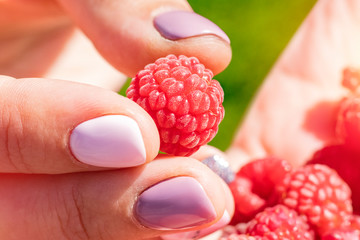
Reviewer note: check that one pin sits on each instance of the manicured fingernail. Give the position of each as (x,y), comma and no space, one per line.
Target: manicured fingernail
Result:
(175,25)
(221,167)
(224,220)
(176,203)
(108,141)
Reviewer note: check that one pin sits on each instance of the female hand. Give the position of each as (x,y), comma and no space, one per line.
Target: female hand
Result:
(76,161)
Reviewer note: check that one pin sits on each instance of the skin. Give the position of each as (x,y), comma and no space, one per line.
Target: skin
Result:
(74,201)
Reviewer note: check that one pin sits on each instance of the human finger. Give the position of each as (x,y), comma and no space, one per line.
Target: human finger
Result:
(214,159)
(52,126)
(131,34)
(167,195)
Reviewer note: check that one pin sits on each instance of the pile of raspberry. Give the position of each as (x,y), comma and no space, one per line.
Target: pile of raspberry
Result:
(317,201)
(182,99)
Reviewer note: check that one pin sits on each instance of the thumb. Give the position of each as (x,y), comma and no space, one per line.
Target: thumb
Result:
(131,34)
(169,195)
(53,126)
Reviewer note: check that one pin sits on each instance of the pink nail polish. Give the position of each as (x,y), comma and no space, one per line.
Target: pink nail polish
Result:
(176,203)
(109,141)
(175,25)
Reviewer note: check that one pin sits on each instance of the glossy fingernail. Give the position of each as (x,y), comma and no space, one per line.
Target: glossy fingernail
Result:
(224,220)
(176,203)
(108,141)
(221,167)
(175,25)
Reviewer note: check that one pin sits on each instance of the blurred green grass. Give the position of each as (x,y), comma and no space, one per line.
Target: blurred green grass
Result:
(259,30)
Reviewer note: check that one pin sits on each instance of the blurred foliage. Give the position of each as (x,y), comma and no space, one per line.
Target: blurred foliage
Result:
(259,30)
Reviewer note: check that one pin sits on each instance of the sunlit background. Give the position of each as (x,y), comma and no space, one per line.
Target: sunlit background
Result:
(259,30)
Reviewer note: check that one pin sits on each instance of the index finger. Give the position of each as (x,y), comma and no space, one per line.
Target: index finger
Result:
(52,126)
(131,34)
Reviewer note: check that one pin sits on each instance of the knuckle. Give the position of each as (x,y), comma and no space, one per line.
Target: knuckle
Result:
(72,217)
(18,130)
(13,147)
(13,134)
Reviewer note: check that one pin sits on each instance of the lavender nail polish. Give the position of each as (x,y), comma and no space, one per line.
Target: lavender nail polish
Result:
(175,25)
(109,141)
(176,203)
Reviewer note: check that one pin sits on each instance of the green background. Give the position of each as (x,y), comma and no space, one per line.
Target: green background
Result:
(259,30)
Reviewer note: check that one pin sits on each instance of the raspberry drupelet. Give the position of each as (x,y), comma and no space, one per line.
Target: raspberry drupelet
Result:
(183,100)
(319,193)
(280,222)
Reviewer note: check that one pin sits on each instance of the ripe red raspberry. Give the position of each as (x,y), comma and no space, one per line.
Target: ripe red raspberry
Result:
(280,222)
(351,79)
(348,122)
(247,203)
(344,161)
(350,230)
(342,235)
(183,99)
(317,192)
(355,221)
(254,186)
(265,174)
(237,229)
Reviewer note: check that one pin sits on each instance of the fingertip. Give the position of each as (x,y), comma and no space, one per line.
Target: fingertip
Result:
(5,78)
(217,161)
(176,178)
(188,33)
(132,34)
(127,137)
(207,151)
(184,32)
(223,217)
(74,132)
(149,130)
(214,53)
(114,141)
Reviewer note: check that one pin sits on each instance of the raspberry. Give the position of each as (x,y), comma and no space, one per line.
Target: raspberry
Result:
(343,160)
(237,229)
(265,174)
(247,204)
(348,122)
(183,100)
(355,222)
(280,222)
(342,235)
(350,230)
(254,186)
(317,192)
(351,79)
